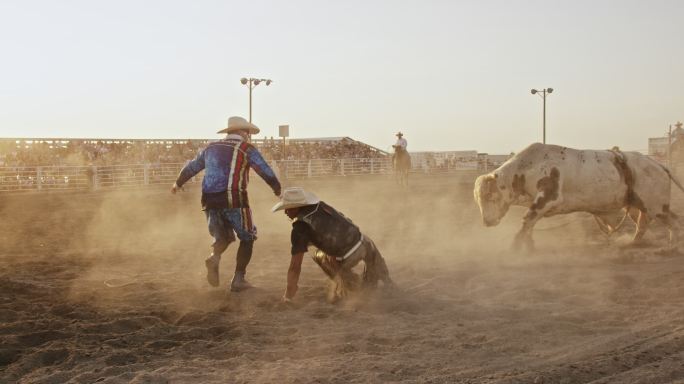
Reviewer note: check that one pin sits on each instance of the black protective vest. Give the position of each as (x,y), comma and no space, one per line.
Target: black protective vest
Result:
(333,232)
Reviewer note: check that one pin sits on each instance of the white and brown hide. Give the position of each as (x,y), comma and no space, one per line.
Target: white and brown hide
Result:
(552,180)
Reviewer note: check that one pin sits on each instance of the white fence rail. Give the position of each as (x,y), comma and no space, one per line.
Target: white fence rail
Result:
(47,178)
(50,178)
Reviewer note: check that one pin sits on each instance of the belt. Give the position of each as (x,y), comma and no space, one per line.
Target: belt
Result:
(352,250)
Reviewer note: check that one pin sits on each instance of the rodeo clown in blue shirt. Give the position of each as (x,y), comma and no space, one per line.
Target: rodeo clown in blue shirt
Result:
(226,165)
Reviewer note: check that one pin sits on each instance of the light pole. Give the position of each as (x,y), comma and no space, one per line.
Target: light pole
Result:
(251,83)
(542,94)
(670,134)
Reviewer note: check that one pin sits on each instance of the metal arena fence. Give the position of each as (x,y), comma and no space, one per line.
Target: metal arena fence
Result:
(52,178)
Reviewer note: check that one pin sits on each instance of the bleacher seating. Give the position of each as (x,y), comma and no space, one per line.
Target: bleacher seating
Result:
(101,152)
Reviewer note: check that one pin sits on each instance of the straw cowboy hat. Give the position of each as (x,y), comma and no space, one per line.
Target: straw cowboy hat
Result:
(295,197)
(399,134)
(237,123)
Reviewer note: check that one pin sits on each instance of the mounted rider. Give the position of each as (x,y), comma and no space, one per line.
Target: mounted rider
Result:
(401,143)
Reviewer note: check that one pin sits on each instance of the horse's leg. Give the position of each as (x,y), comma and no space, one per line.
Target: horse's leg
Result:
(395,170)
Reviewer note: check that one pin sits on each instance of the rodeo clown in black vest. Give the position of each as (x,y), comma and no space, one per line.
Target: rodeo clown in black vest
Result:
(340,243)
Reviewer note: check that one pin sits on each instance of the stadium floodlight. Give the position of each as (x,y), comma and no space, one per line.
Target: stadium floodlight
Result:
(542,94)
(251,83)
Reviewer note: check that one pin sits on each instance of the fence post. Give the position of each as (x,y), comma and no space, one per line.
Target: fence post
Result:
(146,174)
(95,178)
(372,165)
(342,170)
(39,178)
(308,170)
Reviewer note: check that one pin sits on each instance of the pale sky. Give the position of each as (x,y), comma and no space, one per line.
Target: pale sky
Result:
(451,75)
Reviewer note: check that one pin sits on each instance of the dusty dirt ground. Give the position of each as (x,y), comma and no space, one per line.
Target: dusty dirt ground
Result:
(109,287)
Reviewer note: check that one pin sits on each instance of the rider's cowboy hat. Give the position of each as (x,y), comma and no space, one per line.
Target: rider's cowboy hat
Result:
(399,134)
(295,197)
(237,123)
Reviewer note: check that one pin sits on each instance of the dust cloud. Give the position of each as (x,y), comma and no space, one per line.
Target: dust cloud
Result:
(110,287)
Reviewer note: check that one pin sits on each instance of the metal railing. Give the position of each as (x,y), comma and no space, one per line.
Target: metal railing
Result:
(50,178)
(47,178)
(296,169)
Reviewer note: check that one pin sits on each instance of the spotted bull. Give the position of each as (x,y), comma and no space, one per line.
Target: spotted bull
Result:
(552,180)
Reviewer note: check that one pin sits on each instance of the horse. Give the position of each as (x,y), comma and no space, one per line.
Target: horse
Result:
(401,162)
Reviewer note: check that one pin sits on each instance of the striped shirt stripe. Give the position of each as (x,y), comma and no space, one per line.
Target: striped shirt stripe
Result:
(233,162)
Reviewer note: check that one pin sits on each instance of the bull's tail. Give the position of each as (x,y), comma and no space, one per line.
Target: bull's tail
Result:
(674,180)
(669,173)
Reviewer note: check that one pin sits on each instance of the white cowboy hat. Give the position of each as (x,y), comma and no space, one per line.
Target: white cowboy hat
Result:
(237,123)
(399,134)
(294,197)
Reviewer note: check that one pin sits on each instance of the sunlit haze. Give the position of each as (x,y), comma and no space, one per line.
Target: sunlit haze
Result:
(451,75)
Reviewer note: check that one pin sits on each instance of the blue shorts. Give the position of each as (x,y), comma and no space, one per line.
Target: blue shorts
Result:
(224,223)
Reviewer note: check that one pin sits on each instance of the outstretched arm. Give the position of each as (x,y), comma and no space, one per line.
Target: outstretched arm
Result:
(262,169)
(190,169)
(293,276)
(300,242)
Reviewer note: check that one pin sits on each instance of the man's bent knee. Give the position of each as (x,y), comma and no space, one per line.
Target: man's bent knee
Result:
(219,246)
(320,258)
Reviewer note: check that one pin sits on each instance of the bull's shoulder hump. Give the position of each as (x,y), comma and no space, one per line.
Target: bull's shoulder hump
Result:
(533,148)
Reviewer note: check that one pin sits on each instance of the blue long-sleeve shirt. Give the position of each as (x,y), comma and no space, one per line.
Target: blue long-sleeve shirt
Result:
(226,165)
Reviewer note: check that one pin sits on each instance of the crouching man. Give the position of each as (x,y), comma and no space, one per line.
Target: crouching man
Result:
(340,243)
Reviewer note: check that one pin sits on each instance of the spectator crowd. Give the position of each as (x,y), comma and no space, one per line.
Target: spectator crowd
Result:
(333,148)
(87,163)
(31,153)
(63,152)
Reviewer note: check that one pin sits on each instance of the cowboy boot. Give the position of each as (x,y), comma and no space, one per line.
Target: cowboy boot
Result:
(212,271)
(212,262)
(212,265)
(239,283)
